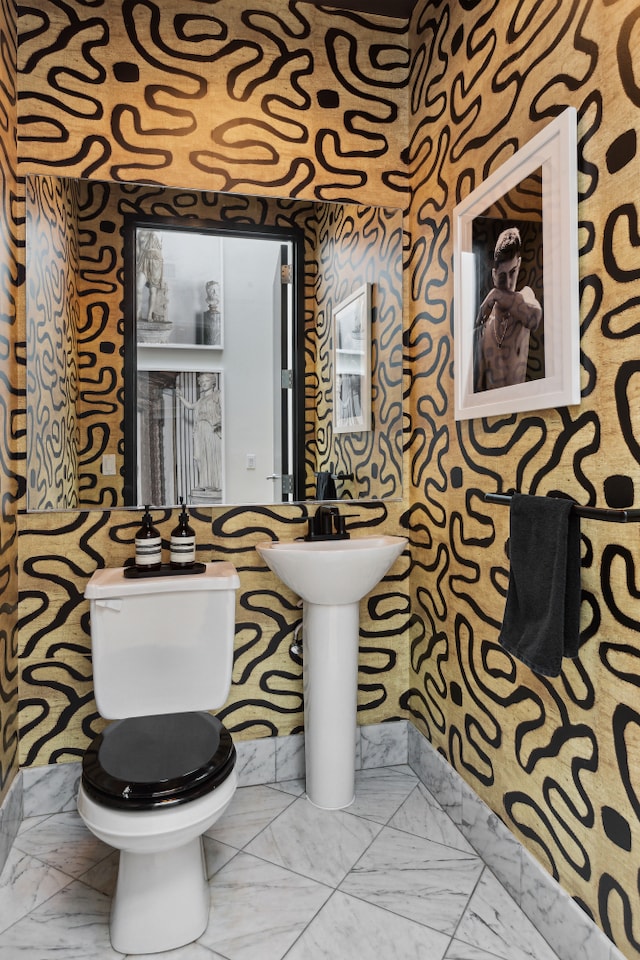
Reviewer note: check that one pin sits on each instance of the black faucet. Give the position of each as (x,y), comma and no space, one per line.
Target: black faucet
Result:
(327,524)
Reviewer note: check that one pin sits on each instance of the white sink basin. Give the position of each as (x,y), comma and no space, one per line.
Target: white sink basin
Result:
(331,577)
(332,571)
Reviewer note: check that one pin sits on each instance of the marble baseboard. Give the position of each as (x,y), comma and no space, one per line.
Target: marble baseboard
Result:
(276,759)
(11,815)
(52,788)
(556,915)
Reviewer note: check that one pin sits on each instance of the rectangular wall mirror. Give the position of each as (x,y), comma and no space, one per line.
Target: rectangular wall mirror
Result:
(118,360)
(195,316)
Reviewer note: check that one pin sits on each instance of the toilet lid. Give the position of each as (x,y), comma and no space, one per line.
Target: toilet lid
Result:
(159,760)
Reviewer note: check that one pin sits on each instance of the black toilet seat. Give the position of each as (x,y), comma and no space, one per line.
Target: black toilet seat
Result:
(145,762)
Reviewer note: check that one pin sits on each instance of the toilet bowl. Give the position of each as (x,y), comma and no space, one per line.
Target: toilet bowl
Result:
(162,897)
(154,782)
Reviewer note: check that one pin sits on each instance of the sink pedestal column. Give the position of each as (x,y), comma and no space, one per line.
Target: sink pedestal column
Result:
(330,678)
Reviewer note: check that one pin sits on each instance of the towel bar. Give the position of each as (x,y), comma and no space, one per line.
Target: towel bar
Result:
(591,513)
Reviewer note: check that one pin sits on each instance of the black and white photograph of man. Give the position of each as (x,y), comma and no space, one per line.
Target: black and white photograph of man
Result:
(508,314)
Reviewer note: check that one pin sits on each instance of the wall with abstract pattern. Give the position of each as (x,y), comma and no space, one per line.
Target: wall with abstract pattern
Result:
(286,99)
(76,319)
(556,759)
(11,479)
(272,100)
(53,328)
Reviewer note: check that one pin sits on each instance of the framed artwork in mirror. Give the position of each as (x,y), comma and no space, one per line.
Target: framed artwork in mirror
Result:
(352,362)
(178,274)
(516,297)
(181,438)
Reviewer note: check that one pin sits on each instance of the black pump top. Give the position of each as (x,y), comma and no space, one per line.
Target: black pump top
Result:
(183,529)
(147,529)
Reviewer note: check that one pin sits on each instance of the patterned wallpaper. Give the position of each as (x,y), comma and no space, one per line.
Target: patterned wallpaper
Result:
(76,321)
(57,710)
(284,99)
(54,326)
(237,101)
(11,481)
(557,760)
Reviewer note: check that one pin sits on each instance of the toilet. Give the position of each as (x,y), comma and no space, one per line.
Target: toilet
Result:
(160,775)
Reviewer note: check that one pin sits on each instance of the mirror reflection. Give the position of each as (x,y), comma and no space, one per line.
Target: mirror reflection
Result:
(102,384)
(200,317)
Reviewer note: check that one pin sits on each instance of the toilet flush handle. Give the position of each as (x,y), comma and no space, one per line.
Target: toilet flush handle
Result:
(115,605)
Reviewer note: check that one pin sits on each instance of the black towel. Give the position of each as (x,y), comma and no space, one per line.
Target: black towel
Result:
(542,612)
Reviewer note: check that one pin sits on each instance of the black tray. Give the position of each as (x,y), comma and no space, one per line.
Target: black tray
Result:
(134,573)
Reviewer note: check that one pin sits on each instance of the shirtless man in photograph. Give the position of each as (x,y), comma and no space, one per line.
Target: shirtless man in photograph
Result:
(506,319)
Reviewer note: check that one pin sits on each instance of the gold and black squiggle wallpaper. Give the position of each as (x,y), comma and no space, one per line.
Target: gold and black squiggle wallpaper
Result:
(556,759)
(10,465)
(53,329)
(281,100)
(357,245)
(76,316)
(284,99)
(57,710)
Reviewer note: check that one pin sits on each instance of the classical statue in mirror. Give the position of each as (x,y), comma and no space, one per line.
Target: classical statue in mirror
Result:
(118,320)
(207,435)
(152,297)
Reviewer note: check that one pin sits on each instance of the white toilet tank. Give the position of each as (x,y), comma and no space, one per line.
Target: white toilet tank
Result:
(162,644)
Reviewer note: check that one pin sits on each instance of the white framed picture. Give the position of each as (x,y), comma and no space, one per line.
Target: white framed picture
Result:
(516,296)
(352,362)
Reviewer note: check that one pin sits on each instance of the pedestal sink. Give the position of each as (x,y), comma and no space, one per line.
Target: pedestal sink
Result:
(331,577)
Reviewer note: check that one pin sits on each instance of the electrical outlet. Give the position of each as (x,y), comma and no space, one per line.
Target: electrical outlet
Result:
(108,465)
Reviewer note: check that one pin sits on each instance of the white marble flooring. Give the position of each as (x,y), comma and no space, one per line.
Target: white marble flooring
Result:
(389,877)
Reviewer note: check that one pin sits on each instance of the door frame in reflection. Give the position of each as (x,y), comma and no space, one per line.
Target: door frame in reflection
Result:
(288,390)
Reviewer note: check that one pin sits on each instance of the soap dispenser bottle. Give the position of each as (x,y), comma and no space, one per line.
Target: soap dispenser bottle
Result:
(183,542)
(148,545)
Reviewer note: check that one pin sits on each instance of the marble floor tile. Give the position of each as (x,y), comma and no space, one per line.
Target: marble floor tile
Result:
(390,878)
(63,841)
(422,816)
(216,854)
(73,924)
(405,768)
(321,844)
(103,875)
(494,922)
(250,811)
(26,883)
(29,822)
(415,878)
(347,928)
(295,787)
(258,909)
(463,951)
(379,792)
(192,951)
